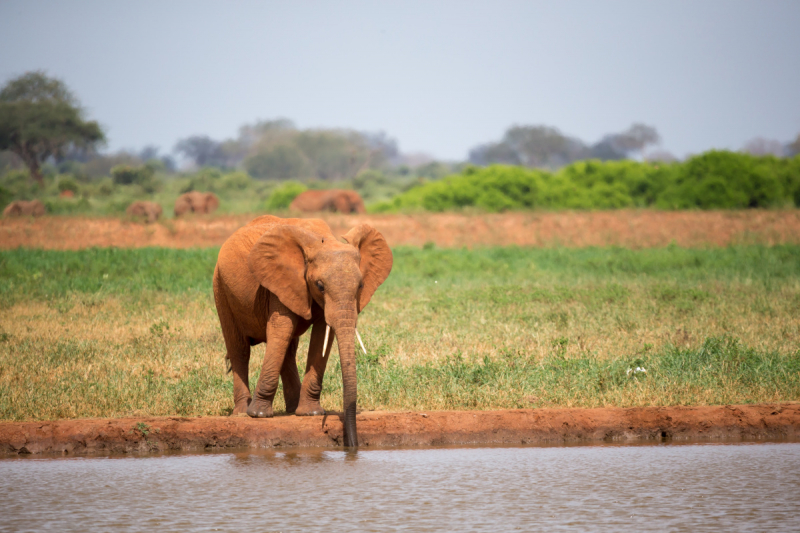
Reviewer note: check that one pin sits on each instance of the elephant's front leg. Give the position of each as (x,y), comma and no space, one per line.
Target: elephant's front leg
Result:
(315,371)
(281,323)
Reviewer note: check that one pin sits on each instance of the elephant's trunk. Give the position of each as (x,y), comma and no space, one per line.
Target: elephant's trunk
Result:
(345,335)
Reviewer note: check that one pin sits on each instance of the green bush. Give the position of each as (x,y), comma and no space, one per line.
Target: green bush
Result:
(105,187)
(19,185)
(66,206)
(235,181)
(282,196)
(206,180)
(67,183)
(144,176)
(713,180)
(6,197)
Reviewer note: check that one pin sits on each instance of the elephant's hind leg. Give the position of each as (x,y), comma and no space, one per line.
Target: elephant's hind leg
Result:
(240,366)
(238,351)
(290,377)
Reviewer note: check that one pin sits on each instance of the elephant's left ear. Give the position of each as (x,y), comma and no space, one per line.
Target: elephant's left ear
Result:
(278,262)
(376,259)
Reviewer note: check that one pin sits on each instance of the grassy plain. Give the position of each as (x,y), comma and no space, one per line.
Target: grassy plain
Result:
(111,332)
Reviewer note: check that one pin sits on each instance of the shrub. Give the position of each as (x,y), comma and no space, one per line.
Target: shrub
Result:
(67,183)
(66,206)
(727,180)
(206,180)
(282,196)
(105,187)
(143,176)
(18,183)
(235,181)
(714,180)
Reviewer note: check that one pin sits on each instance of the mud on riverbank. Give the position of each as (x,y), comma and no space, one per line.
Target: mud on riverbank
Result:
(629,228)
(388,429)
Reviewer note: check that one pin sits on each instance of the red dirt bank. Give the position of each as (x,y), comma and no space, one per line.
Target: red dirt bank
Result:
(382,429)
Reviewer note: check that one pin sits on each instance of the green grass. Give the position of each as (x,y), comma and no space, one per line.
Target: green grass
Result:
(111,332)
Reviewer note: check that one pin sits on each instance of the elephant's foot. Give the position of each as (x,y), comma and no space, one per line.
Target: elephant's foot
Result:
(260,409)
(241,407)
(292,400)
(309,408)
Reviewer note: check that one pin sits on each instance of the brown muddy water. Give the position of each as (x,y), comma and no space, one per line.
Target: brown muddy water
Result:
(702,487)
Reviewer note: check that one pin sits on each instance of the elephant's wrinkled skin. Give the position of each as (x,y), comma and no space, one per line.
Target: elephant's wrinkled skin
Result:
(341,200)
(151,211)
(196,202)
(274,279)
(21,208)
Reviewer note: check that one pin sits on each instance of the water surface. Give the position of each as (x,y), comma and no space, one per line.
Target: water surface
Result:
(742,487)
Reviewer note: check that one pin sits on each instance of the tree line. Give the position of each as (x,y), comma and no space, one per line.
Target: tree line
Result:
(44,129)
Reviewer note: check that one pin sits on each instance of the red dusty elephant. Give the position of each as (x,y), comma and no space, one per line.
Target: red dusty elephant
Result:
(21,208)
(341,200)
(276,278)
(196,202)
(151,211)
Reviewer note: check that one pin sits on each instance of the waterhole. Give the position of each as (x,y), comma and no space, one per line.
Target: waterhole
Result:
(731,487)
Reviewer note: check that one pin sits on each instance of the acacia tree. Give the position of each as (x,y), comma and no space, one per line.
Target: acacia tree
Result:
(40,118)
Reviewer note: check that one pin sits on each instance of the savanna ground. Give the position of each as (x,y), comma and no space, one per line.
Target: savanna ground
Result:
(712,318)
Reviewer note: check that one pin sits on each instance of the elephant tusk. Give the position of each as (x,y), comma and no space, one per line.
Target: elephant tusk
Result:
(361,342)
(325,343)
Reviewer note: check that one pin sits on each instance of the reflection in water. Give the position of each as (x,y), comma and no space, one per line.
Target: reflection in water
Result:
(674,487)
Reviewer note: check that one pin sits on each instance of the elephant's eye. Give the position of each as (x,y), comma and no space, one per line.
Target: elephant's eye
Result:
(320,286)
(361,285)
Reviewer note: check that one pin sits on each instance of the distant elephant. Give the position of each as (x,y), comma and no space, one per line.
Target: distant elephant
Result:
(341,200)
(150,210)
(274,279)
(196,202)
(21,208)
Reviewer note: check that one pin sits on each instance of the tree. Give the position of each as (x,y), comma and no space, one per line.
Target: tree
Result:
(794,147)
(531,146)
(547,147)
(762,146)
(280,162)
(203,150)
(40,118)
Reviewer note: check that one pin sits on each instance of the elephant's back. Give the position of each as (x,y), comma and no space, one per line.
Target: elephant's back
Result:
(310,201)
(240,289)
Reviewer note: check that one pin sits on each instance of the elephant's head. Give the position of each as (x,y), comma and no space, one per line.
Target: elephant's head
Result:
(302,268)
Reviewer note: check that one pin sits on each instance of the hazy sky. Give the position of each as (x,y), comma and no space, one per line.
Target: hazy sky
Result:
(438,76)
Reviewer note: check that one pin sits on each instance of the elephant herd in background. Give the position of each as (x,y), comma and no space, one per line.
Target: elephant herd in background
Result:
(337,200)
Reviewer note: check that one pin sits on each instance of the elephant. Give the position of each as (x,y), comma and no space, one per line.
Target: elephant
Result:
(21,208)
(341,200)
(276,278)
(150,210)
(196,202)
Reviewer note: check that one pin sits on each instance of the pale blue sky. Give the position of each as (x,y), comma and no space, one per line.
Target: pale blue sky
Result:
(438,76)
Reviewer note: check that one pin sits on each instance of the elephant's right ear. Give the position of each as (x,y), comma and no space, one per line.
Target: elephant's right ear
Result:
(278,261)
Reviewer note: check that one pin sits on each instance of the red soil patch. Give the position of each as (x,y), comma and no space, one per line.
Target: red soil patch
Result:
(383,429)
(629,228)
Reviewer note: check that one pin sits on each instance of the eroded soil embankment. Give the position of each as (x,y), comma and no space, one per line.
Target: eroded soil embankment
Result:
(629,228)
(381,429)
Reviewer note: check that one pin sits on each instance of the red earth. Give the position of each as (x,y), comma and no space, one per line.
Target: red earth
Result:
(780,421)
(629,228)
